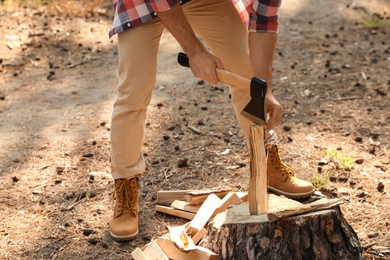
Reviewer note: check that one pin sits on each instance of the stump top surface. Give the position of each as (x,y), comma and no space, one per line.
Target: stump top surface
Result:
(240,213)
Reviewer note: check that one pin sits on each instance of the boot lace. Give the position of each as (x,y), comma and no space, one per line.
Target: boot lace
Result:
(277,162)
(127,195)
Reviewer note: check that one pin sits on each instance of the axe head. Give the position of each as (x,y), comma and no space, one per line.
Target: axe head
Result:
(254,111)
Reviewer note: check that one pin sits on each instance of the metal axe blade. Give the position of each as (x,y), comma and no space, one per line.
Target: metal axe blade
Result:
(257,87)
(254,111)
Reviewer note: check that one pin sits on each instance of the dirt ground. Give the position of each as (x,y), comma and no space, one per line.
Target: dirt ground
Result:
(58,75)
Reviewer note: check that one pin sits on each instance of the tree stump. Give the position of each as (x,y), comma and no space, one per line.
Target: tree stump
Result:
(323,234)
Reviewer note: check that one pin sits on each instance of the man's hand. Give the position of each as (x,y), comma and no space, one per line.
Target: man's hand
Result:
(203,65)
(274,110)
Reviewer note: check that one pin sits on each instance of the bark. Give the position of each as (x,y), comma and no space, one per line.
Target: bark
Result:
(320,235)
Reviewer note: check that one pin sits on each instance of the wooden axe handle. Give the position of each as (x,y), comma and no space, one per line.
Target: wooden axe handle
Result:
(233,79)
(223,76)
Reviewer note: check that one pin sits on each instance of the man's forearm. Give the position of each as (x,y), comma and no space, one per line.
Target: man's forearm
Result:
(262,48)
(202,62)
(176,22)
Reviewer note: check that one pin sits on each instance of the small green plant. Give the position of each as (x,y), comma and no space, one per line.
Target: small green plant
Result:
(319,180)
(344,162)
(373,22)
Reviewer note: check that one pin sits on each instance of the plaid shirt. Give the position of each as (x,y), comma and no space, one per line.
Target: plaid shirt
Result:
(259,15)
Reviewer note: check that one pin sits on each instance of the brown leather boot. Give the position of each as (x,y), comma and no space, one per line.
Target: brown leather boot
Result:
(124,222)
(281,178)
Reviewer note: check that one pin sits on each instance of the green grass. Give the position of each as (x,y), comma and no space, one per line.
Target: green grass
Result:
(343,162)
(319,180)
(374,21)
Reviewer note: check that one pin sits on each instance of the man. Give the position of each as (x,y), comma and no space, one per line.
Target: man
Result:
(139,25)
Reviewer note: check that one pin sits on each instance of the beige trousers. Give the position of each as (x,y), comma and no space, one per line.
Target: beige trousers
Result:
(219,25)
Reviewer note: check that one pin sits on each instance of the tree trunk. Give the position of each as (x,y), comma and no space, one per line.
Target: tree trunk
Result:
(323,235)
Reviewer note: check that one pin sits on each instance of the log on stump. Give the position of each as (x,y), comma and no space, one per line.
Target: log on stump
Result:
(323,234)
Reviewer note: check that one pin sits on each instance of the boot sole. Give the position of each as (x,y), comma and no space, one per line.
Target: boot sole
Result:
(291,195)
(123,238)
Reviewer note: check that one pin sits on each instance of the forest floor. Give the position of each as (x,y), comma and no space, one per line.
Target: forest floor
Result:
(58,74)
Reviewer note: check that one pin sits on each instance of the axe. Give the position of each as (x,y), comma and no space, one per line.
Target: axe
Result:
(257,87)
(254,111)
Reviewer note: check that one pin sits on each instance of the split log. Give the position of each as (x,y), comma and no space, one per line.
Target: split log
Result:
(137,254)
(175,253)
(153,251)
(257,196)
(185,206)
(199,235)
(324,234)
(230,199)
(175,212)
(197,198)
(180,238)
(204,214)
(167,197)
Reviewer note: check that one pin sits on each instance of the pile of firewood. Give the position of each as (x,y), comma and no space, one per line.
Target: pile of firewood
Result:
(198,206)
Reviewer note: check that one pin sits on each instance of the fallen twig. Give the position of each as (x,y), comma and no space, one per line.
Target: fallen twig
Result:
(369,245)
(76,203)
(342,99)
(80,63)
(195,130)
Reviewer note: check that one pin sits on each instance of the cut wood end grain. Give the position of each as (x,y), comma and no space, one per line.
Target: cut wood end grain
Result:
(153,251)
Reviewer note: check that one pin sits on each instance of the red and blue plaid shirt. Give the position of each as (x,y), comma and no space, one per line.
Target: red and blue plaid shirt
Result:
(259,15)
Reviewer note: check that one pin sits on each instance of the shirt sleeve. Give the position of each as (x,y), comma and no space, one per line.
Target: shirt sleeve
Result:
(264,16)
(162,5)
